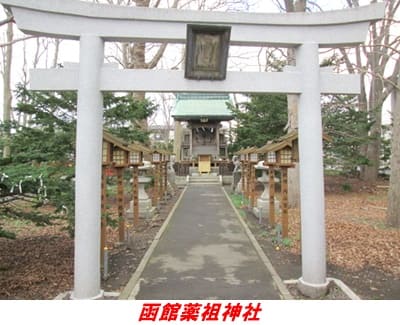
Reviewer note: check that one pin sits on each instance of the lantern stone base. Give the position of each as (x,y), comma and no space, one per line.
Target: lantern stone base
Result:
(238,188)
(171,176)
(171,189)
(146,210)
(262,208)
(237,177)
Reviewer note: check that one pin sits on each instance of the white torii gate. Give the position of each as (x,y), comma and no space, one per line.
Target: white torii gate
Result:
(94,24)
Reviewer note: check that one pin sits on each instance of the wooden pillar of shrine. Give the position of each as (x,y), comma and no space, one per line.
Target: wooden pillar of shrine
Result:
(284,202)
(135,195)
(271,174)
(120,204)
(103,231)
(252,185)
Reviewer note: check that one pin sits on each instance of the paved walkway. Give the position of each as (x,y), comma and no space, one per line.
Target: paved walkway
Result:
(204,253)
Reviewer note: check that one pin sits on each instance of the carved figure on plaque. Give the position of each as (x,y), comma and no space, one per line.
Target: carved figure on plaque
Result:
(207,52)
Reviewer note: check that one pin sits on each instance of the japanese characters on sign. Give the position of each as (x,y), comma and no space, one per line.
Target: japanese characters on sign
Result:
(197,311)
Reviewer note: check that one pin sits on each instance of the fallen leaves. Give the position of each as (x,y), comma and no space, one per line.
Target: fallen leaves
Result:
(356,234)
(38,267)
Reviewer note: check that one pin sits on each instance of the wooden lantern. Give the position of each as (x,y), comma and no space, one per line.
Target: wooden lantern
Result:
(120,157)
(135,157)
(288,151)
(249,154)
(253,157)
(291,139)
(285,156)
(270,158)
(107,154)
(241,155)
(156,157)
(280,154)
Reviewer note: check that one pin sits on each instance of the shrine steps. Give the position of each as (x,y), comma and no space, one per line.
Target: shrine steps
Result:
(204,179)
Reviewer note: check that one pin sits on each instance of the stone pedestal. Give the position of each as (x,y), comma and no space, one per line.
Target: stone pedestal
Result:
(146,210)
(237,177)
(239,187)
(171,180)
(262,207)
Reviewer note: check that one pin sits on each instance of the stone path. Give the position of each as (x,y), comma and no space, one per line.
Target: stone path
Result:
(204,253)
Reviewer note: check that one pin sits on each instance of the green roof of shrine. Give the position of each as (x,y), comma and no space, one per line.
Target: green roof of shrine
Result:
(197,106)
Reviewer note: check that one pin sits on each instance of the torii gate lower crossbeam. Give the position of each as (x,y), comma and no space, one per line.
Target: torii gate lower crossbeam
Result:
(304,32)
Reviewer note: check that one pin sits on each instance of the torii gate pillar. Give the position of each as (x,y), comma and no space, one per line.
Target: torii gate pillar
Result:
(89,133)
(313,282)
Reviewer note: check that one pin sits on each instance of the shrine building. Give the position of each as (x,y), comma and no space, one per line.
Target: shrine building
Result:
(200,137)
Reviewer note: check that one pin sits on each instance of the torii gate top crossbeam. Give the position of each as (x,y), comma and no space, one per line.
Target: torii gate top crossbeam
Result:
(71,19)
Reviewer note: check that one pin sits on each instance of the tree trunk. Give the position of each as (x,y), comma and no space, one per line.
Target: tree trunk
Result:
(56,53)
(381,49)
(178,141)
(363,107)
(375,111)
(138,61)
(7,96)
(293,173)
(292,100)
(393,212)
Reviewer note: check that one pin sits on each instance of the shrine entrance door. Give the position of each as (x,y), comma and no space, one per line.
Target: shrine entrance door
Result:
(204,164)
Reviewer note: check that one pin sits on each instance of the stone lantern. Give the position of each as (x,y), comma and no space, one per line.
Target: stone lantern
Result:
(157,158)
(164,173)
(238,173)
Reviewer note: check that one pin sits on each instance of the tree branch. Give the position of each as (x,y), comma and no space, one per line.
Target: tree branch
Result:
(7,20)
(17,40)
(347,61)
(157,56)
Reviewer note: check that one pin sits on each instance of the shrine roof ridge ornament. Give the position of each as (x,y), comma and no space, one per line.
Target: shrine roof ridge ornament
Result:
(71,19)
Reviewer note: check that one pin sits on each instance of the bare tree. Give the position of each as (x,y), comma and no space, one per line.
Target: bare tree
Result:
(133,55)
(393,212)
(57,43)
(6,74)
(163,115)
(42,52)
(379,64)
(10,19)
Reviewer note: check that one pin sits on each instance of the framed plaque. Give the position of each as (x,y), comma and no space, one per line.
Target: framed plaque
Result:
(207,50)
